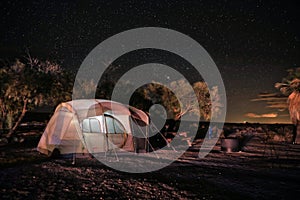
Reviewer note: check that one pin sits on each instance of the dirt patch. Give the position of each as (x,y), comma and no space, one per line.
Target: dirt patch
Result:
(263,171)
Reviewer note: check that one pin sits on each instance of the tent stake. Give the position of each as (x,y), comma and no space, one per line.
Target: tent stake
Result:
(74,158)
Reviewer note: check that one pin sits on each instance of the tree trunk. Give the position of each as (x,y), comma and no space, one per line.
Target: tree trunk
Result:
(296,135)
(13,129)
(9,120)
(3,115)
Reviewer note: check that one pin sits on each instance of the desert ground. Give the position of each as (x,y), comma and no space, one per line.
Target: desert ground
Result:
(263,170)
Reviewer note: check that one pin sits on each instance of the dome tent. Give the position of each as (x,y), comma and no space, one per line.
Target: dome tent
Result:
(93,126)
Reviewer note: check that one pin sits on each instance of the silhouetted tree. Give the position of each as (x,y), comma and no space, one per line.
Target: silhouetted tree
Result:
(156,93)
(27,85)
(290,86)
(165,96)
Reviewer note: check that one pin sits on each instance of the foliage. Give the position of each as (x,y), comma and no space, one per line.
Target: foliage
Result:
(290,83)
(160,94)
(86,88)
(290,86)
(25,86)
(156,93)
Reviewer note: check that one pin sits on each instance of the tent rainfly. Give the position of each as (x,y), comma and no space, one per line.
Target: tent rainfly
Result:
(94,126)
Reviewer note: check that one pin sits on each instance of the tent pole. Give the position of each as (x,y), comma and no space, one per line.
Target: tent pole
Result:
(170,145)
(133,137)
(116,154)
(146,143)
(74,158)
(74,152)
(146,138)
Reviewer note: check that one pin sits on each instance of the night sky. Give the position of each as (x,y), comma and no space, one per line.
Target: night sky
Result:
(253,43)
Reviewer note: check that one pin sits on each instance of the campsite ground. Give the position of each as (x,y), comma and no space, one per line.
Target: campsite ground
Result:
(262,171)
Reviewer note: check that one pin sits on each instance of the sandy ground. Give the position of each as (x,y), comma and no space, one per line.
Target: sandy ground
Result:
(261,172)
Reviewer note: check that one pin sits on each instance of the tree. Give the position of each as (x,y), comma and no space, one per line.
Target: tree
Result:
(157,93)
(27,85)
(290,87)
